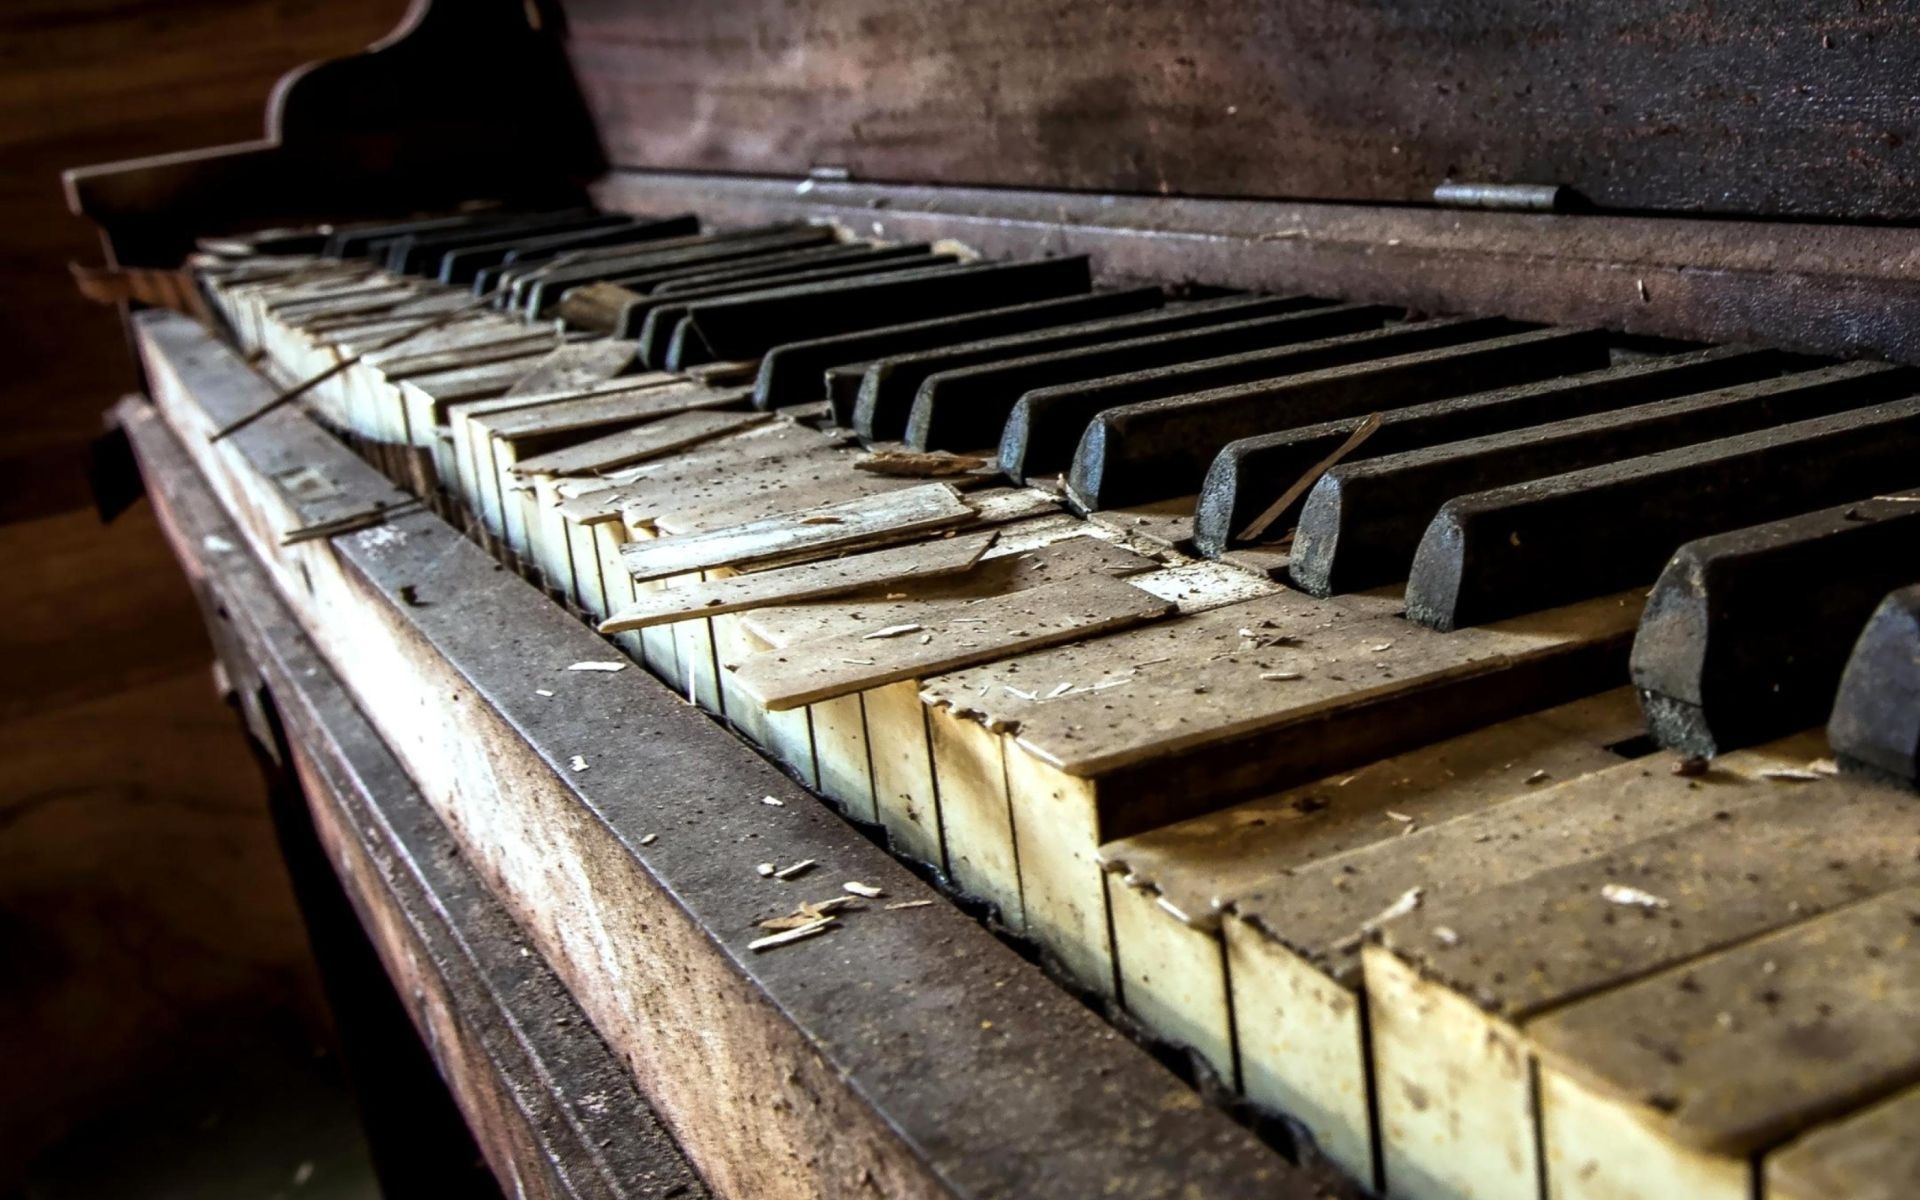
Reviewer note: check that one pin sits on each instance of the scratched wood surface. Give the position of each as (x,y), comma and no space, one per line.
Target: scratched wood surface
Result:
(1635,104)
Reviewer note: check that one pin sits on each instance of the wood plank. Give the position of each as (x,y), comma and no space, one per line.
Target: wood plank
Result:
(860,522)
(1020,557)
(576,365)
(806,581)
(1026,620)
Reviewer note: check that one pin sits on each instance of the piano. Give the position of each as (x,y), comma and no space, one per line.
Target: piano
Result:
(1160,600)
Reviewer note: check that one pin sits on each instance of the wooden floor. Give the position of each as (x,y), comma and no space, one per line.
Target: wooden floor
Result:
(140,899)
(143,908)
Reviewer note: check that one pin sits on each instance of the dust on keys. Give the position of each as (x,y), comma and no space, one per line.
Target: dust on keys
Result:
(1377,831)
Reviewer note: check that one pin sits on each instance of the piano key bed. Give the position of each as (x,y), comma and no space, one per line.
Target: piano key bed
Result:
(1488,746)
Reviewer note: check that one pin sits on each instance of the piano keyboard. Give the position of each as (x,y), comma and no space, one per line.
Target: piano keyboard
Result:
(1417,718)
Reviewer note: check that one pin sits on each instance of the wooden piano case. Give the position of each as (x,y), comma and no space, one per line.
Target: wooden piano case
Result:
(533,847)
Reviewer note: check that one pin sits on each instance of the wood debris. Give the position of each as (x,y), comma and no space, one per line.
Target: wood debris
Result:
(775,940)
(1791,774)
(1690,767)
(1267,517)
(908,904)
(807,914)
(1281,676)
(796,870)
(894,631)
(577,763)
(823,519)
(909,464)
(1630,897)
(608,667)
(865,890)
(1408,901)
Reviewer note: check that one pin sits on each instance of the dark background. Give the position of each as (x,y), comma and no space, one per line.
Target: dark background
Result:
(147,934)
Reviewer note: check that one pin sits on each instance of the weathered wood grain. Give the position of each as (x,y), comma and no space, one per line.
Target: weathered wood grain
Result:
(550,1104)
(820,1070)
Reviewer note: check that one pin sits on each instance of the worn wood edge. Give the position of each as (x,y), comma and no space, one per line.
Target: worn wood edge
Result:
(950,1068)
(1834,289)
(553,1109)
(389,130)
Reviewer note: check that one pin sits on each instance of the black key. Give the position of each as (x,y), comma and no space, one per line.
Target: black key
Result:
(955,410)
(790,373)
(288,241)
(1247,476)
(747,328)
(1044,429)
(507,276)
(356,241)
(460,267)
(681,291)
(843,382)
(644,270)
(892,385)
(1746,633)
(1162,448)
(660,316)
(1535,545)
(1361,523)
(418,253)
(1875,728)
(589,266)
(772,265)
